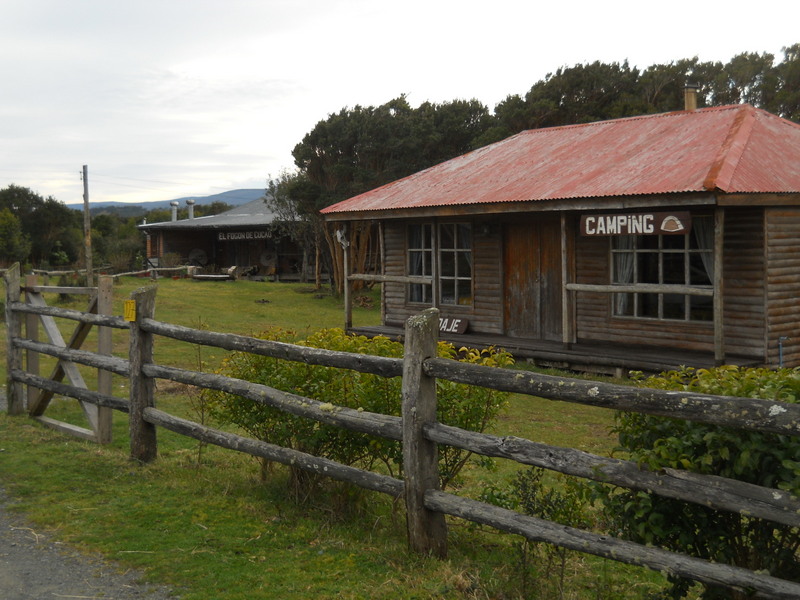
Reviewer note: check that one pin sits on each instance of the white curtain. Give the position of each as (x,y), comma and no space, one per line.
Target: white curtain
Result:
(623,271)
(704,235)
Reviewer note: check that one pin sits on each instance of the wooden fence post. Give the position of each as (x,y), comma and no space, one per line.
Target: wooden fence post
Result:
(32,333)
(427,530)
(16,401)
(143,434)
(105,301)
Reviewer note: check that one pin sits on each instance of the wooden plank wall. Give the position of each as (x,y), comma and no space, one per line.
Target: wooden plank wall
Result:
(783,275)
(744,281)
(593,310)
(743,301)
(486,313)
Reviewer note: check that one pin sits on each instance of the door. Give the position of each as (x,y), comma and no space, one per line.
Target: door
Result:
(532,261)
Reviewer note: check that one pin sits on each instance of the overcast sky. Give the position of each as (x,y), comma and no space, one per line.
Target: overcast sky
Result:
(172,98)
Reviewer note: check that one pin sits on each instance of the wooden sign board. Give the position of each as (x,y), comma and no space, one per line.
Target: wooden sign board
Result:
(453,325)
(654,223)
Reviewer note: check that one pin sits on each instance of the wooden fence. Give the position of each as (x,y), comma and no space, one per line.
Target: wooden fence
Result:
(420,433)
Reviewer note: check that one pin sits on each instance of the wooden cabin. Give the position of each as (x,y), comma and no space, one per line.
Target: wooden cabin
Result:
(639,243)
(247,237)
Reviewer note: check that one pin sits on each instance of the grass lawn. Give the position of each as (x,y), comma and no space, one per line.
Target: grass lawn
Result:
(210,526)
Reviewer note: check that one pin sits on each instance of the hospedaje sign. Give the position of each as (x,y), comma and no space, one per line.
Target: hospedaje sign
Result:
(654,223)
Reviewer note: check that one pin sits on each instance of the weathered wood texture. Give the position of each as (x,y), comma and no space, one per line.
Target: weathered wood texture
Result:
(486,312)
(73,315)
(386,426)
(744,283)
(31,333)
(64,368)
(83,357)
(743,413)
(14,389)
(761,586)
(72,391)
(532,277)
(105,305)
(711,491)
(783,275)
(595,322)
(420,433)
(286,456)
(427,530)
(384,366)
(141,390)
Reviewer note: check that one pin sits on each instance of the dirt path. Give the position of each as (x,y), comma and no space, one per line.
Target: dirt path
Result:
(35,566)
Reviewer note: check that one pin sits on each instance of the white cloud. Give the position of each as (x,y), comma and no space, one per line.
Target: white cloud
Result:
(167,98)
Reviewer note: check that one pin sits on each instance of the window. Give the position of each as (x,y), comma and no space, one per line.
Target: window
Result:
(451,244)
(420,261)
(686,260)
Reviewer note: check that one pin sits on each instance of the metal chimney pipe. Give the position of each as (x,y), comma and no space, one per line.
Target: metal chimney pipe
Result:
(690,96)
(174,206)
(190,206)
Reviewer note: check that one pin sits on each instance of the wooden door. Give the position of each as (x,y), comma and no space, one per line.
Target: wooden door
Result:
(532,261)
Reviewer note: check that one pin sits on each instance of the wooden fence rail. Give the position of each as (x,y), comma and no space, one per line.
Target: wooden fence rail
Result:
(420,434)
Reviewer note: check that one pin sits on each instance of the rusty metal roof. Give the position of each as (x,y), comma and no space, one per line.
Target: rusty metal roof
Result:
(730,149)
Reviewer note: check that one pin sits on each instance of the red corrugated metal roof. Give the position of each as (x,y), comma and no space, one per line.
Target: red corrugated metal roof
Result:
(731,149)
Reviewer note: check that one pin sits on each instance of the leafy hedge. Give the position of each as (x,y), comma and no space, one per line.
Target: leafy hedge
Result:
(764,459)
(459,405)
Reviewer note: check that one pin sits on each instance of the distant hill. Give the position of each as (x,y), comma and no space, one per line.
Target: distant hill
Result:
(125,209)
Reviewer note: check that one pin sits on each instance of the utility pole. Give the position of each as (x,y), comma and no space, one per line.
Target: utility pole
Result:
(87,227)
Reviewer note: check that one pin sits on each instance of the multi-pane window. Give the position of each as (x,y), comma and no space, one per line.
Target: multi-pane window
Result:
(686,260)
(455,263)
(420,261)
(450,244)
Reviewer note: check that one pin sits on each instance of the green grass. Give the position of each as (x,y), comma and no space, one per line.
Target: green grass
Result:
(212,528)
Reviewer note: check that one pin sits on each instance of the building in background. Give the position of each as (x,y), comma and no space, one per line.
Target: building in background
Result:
(248,237)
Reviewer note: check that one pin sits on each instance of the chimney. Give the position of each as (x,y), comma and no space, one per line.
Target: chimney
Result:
(190,206)
(690,96)
(174,206)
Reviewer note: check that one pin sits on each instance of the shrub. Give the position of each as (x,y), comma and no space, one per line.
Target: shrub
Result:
(458,405)
(765,459)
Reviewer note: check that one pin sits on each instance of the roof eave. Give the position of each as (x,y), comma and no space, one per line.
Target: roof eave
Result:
(500,208)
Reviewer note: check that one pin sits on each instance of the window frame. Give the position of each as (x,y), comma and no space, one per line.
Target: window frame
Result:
(649,264)
(448,256)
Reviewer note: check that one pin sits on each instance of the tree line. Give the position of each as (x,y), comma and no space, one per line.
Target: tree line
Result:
(357,149)
(44,233)
(361,148)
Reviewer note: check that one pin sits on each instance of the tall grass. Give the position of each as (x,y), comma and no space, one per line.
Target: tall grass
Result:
(213,529)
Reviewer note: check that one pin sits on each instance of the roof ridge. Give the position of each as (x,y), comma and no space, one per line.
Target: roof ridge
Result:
(731,150)
(672,113)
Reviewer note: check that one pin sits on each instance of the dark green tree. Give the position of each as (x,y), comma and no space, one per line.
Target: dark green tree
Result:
(14,244)
(55,231)
(787,96)
(356,150)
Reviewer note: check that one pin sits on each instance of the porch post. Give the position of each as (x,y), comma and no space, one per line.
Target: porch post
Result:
(341,234)
(719,280)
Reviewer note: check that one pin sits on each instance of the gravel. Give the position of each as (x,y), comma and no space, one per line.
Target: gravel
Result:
(36,566)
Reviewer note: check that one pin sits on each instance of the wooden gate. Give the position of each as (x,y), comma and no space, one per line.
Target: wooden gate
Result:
(38,400)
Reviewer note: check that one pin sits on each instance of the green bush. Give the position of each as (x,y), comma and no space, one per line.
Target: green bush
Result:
(458,405)
(764,459)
